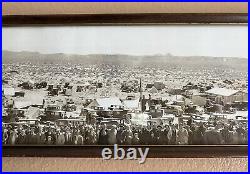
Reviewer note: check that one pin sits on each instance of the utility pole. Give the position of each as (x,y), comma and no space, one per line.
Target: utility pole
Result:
(140,89)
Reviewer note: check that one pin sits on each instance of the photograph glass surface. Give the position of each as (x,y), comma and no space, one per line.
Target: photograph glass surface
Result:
(126,85)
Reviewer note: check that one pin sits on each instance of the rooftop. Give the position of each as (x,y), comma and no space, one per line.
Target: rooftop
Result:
(222,91)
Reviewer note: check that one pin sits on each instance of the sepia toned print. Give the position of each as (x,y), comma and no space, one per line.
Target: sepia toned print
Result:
(131,85)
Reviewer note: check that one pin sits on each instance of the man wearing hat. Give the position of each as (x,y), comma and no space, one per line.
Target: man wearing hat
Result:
(103,135)
(120,135)
(213,136)
(13,137)
(21,139)
(5,136)
(136,140)
(60,138)
(226,135)
(241,133)
(182,135)
(128,135)
(112,135)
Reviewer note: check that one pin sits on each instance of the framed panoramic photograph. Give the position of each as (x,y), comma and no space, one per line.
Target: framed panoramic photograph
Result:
(125,85)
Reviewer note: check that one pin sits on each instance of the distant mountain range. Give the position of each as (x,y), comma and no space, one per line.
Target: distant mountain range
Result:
(61,58)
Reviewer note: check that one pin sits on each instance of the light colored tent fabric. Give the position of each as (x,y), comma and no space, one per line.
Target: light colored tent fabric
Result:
(21,104)
(131,104)
(105,102)
(8,91)
(222,91)
(153,90)
(32,113)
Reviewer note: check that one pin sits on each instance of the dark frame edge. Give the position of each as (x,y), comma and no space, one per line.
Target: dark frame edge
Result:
(125,19)
(188,151)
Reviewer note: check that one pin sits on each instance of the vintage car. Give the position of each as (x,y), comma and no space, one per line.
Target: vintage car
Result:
(69,107)
(198,118)
(52,107)
(117,113)
(241,106)
(161,121)
(173,109)
(218,117)
(73,122)
(241,119)
(29,121)
(53,92)
(110,122)
(194,109)
(18,112)
(229,109)
(193,118)
(15,124)
(48,123)
(87,111)
(52,113)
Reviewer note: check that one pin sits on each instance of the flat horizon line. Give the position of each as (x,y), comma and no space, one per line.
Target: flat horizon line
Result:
(124,54)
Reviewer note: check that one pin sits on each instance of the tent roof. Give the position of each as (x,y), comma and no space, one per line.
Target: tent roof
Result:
(131,103)
(22,104)
(107,102)
(222,91)
(9,91)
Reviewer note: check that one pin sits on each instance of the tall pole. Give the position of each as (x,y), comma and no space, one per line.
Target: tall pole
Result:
(141,95)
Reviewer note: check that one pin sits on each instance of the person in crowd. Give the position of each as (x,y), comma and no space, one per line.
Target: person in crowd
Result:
(213,136)
(88,135)
(103,135)
(120,136)
(201,131)
(157,135)
(235,136)
(190,121)
(182,136)
(198,134)
(146,135)
(92,135)
(190,134)
(226,135)
(78,138)
(68,136)
(241,134)
(60,139)
(152,138)
(5,136)
(128,135)
(32,137)
(49,137)
(163,137)
(136,140)
(41,139)
(216,132)
(28,135)
(141,135)
(13,137)
(21,139)
(172,134)
(112,135)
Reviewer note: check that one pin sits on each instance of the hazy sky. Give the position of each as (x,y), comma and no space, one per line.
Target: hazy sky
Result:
(181,40)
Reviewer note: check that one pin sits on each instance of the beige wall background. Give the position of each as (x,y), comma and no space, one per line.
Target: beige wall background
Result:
(88,164)
(78,8)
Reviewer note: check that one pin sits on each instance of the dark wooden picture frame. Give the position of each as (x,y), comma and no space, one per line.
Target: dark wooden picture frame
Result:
(125,19)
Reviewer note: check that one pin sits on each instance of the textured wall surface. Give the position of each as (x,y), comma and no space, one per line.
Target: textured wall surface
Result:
(62,8)
(85,164)
(79,164)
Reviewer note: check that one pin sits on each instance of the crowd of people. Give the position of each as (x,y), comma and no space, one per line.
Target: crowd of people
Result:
(190,133)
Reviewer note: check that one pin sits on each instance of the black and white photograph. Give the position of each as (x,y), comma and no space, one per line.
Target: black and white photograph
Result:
(125,85)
